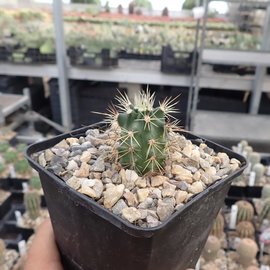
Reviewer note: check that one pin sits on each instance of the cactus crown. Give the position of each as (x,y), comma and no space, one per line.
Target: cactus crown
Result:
(218,227)
(144,131)
(265,191)
(259,169)
(265,212)
(245,229)
(32,203)
(10,156)
(245,211)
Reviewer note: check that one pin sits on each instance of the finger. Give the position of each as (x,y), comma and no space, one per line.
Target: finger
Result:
(43,253)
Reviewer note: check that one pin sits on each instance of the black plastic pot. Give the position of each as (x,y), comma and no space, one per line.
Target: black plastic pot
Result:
(92,238)
(123,54)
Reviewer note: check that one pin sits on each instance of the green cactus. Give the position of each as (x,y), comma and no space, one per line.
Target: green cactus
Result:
(4,147)
(35,183)
(21,147)
(245,229)
(22,166)
(218,226)
(2,253)
(259,169)
(2,167)
(10,156)
(245,211)
(144,132)
(247,251)
(32,202)
(265,213)
(254,158)
(265,191)
(211,248)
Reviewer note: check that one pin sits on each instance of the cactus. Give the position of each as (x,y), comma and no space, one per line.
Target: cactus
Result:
(21,147)
(2,167)
(22,166)
(245,229)
(248,149)
(144,132)
(34,183)
(10,156)
(245,211)
(2,253)
(218,226)
(247,251)
(243,143)
(4,147)
(131,7)
(265,191)
(120,9)
(254,158)
(32,202)
(259,169)
(265,213)
(211,248)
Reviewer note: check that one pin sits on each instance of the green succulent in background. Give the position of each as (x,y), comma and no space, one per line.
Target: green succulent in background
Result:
(21,147)
(35,183)
(189,4)
(28,15)
(2,167)
(10,156)
(32,202)
(22,166)
(4,146)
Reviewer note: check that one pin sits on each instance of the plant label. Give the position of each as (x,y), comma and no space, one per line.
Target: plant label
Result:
(18,217)
(22,248)
(251,179)
(234,211)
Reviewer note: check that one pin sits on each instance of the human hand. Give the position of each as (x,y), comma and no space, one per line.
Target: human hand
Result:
(43,253)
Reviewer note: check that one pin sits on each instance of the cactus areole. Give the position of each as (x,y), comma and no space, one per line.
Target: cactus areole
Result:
(144,131)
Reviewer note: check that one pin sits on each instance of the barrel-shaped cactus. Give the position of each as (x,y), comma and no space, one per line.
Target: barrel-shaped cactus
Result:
(259,170)
(218,227)
(247,251)
(245,211)
(35,183)
(254,158)
(144,132)
(245,229)
(32,203)
(265,213)
(265,191)
(211,248)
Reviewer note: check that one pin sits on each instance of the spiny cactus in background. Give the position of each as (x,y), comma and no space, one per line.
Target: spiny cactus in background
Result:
(247,251)
(211,248)
(2,167)
(245,229)
(22,166)
(35,183)
(265,213)
(10,156)
(254,158)
(245,211)
(4,147)
(32,202)
(120,9)
(131,7)
(265,191)
(2,253)
(259,169)
(144,132)
(248,149)
(21,147)
(243,144)
(218,226)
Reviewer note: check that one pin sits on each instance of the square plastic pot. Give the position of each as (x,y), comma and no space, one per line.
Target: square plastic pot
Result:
(92,238)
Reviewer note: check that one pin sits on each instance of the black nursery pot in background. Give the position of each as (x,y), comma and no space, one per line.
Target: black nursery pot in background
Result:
(92,238)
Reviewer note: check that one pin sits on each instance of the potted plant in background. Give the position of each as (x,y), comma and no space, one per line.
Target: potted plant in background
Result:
(135,192)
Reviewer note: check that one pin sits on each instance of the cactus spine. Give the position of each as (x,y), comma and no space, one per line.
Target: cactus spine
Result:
(144,132)
(2,253)
(218,226)
(247,251)
(32,202)
(245,229)
(265,213)
(245,211)
(259,169)
(211,248)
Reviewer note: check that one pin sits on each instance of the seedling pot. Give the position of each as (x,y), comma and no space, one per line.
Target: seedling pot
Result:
(92,238)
